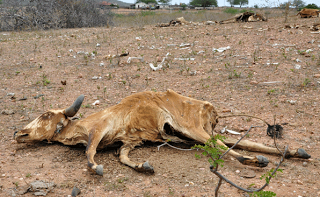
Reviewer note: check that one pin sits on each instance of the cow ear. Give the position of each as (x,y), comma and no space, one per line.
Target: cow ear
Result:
(73,109)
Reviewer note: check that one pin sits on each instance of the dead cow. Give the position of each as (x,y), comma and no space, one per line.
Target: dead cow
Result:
(177,22)
(308,13)
(245,17)
(145,116)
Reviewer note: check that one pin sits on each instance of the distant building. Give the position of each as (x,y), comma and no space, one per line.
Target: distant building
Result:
(141,5)
(164,6)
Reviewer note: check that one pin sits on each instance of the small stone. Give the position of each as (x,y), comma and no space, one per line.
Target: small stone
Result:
(316,76)
(304,164)
(40,193)
(10,94)
(7,112)
(248,173)
(237,171)
(254,82)
(297,66)
(75,191)
(299,182)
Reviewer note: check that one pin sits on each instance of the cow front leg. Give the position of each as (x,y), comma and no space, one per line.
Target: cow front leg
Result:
(140,167)
(91,151)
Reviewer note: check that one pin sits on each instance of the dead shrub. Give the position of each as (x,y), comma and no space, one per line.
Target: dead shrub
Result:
(52,14)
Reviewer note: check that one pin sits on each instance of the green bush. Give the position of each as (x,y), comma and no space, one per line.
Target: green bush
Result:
(231,10)
(244,10)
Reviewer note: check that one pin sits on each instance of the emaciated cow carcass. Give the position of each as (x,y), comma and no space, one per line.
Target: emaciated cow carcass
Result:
(245,17)
(145,116)
(308,13)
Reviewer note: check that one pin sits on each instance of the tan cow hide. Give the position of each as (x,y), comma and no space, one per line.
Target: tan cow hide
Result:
(145,116)
(308,13)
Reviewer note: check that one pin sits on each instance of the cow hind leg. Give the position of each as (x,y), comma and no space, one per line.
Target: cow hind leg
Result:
(258,161)
(258,147)
(140,167)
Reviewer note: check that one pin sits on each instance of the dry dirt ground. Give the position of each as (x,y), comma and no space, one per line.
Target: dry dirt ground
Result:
(266,72)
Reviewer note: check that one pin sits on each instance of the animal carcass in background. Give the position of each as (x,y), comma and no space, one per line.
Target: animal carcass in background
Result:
(245,17)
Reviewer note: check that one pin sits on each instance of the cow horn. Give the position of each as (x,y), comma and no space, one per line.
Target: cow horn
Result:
(73,109)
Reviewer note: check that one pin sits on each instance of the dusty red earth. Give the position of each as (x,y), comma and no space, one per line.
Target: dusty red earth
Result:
(266,72)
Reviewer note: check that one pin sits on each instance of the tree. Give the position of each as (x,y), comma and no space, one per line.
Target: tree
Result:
(147,1)
(241,2)
(231,2)
(164,1)
(298,4)
(312,6)
(204,3)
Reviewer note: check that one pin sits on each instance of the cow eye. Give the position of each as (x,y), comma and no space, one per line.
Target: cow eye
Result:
(24,135)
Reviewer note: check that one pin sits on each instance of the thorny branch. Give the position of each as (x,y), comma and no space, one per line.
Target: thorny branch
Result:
(221,177)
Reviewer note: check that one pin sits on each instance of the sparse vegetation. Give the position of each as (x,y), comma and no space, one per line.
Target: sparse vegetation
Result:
(28,56)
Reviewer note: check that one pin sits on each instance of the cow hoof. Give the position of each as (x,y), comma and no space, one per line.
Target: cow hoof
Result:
(259,161)
(301,153)
(262,161)
(147,167)
(99,170)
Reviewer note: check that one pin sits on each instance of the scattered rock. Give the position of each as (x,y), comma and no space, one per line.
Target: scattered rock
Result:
(292,102)
(41,188)
(95,78)
(247,173)
(40,193)
(10,94)
(7,112)
(316,76)
(193,72)
(37,185)
(297,66)
(299,182)
(254,82)
(75,191)
(38,96)
(304,164)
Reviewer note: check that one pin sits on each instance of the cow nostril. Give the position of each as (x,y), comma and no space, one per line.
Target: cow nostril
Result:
(15,133)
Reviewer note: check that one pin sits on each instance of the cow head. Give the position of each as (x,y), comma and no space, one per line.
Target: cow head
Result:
(48,124)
